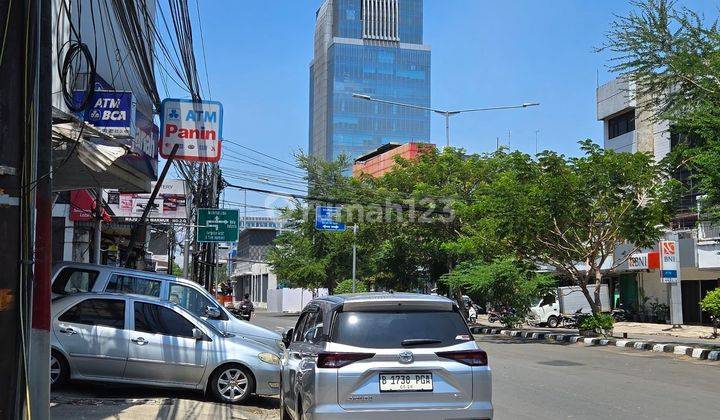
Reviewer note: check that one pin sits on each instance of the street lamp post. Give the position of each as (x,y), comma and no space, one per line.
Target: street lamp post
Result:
(446,113)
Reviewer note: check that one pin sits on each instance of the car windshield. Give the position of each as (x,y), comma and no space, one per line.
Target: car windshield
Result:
(384,329)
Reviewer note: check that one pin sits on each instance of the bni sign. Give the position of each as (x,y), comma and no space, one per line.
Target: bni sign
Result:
(669,261)
(195,126)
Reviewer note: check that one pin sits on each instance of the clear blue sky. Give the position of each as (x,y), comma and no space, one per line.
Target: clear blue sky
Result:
(484,53)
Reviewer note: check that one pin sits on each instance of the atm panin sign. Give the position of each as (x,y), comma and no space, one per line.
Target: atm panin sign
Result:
(196,126)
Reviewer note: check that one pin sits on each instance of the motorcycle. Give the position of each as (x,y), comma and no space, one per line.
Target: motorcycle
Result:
(245,311)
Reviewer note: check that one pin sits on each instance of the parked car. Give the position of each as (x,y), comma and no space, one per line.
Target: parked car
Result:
(72,278)
(383,355)
(121,338)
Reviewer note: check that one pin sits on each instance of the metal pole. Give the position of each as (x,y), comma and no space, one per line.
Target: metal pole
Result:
(39,352)
(447,129)
(143,219)
(186,250)
(245,216)
(97,234)
(354,256)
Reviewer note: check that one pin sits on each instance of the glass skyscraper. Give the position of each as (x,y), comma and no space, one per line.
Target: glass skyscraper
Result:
(371,47)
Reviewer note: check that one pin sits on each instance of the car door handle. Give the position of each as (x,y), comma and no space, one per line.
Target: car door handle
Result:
(68,331)
(139,341)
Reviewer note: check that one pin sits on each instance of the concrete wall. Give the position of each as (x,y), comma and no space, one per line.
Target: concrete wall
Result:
(291,300)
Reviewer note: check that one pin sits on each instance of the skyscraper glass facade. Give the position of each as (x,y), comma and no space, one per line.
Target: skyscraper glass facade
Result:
(372,47)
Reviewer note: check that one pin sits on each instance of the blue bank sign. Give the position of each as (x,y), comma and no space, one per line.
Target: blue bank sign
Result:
(112,112)
(326,218)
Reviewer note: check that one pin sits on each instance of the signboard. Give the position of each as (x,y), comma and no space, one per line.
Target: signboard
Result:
(669,261)
(170,203)
(82,207)
(112,112)
(644,261)
(195,126)
(326,218)
(217,225)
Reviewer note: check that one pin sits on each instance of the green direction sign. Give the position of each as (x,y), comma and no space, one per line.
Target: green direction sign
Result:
(217,225)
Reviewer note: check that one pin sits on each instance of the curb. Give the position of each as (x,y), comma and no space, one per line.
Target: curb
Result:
(700,353)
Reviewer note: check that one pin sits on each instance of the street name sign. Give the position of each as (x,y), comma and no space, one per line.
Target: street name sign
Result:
(669,261)
(217,225)
(326,218)
(195,126)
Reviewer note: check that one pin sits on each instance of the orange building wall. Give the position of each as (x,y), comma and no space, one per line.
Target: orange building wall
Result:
(383,163)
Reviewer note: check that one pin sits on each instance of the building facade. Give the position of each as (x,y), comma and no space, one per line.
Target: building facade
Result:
(381,160)
(374,48)
(628,127)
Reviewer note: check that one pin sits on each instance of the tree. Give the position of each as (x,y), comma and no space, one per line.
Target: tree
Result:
(346,286)
(711,305)
(572,213)
(673,56)
(504,282)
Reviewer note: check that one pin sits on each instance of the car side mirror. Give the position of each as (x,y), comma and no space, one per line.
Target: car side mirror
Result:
(212,312)
(287,337)
(197,334)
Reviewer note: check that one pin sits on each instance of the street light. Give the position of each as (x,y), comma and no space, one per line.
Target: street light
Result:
(446,113)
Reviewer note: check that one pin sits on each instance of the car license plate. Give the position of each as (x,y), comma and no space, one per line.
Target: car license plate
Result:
(405,382)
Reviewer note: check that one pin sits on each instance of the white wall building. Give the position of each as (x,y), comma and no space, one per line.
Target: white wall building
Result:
(629,127)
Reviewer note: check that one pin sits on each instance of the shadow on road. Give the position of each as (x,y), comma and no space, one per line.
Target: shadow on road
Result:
(101,401)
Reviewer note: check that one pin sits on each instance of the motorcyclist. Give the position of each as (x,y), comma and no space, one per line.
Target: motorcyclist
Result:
(246,301)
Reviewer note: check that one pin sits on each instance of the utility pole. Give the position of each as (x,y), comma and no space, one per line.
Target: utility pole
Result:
(142,223)
(536,141)
(97,230)
(17,81)
(39,349)
(354,256)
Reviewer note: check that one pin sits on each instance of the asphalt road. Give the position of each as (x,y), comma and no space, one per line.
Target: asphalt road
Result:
(531,380)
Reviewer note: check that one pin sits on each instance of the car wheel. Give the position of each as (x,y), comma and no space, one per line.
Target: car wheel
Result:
(552,322)
(59,369)
(232,384)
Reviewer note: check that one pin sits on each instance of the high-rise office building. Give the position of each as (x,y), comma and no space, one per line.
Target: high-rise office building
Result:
(375,48)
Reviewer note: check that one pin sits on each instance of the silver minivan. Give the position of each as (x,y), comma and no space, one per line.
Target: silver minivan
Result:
(383,356)
(71,277)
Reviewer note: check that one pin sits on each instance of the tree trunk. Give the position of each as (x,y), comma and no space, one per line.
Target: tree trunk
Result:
(591,299)
(598,281)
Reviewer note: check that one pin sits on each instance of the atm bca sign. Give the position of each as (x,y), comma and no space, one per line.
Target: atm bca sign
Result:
(195,126)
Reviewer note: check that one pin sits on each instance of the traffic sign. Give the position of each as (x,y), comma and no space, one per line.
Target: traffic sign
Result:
(217,225)
(195,126)
(326,218)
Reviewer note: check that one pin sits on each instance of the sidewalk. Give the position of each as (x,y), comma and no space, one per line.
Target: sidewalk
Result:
(688,334)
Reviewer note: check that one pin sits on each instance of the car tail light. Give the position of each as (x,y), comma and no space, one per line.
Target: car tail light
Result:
(466,357)
(338,360)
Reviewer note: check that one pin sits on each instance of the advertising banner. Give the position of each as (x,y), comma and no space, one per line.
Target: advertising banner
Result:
(170,203)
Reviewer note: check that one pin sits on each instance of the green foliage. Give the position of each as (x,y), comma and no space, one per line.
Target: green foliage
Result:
(345,287)
(711,303)
(550,210)
(503,282)
(597,322)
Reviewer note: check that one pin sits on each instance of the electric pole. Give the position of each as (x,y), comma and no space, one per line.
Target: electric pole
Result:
(19,102)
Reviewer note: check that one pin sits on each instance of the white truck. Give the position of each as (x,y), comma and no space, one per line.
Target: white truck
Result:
(567,301)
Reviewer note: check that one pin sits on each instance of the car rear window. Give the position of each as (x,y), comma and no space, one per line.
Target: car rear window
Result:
(399,329)
(74,280)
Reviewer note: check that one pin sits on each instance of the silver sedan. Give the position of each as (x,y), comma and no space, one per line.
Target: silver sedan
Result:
(131,339)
